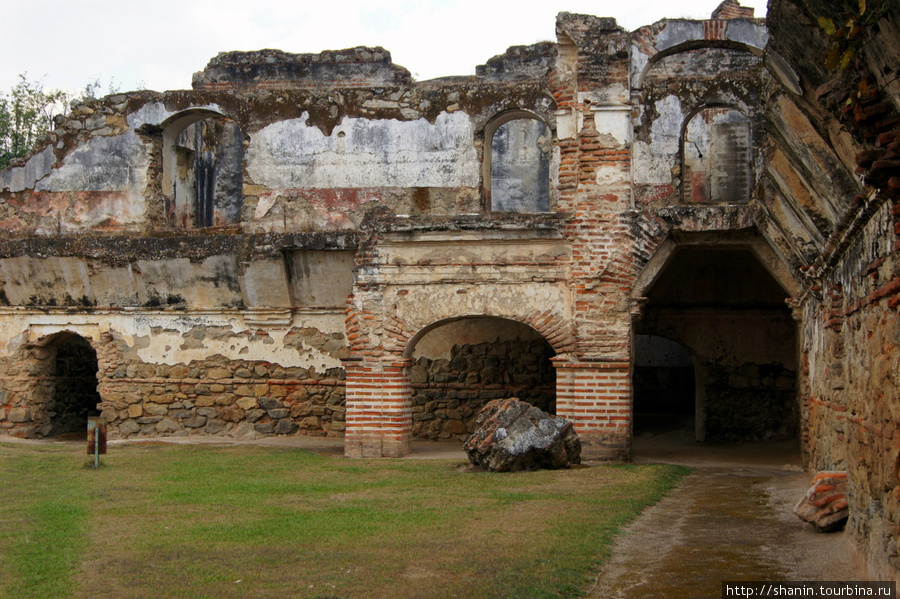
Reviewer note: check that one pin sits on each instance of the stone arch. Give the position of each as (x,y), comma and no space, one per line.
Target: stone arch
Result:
(670,240)
(516,166)
(717,155)
(687,46)
(552,327)
(457,365)
(202,181)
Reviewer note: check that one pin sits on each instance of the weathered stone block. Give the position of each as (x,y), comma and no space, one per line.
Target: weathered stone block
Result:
(254,415)
(195,422)
(418,374)
(264,428)
(218,373)
(513,435)
(244,430)
(167,425)
(19,415)
(128,428)
(267,403)
(286,427)
(154,409)
(231,414)
(246,403)
(214,427)
(310,423)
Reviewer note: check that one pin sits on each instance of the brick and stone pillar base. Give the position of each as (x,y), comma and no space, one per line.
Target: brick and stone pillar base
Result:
(379,411)
(596,398)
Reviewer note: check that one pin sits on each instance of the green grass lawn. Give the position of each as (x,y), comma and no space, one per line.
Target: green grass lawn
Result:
(198,521)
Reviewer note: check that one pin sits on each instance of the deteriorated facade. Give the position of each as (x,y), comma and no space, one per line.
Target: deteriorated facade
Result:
(695,219)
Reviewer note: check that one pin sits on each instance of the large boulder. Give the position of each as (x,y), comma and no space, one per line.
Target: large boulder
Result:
(513,435)
(825,503)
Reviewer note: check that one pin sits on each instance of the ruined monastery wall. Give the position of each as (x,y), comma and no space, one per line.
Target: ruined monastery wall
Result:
(317,244)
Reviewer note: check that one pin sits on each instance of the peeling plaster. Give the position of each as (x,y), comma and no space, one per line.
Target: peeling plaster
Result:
(366,153)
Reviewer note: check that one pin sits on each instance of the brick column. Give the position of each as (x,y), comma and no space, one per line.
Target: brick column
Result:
(596,397)
(379,411)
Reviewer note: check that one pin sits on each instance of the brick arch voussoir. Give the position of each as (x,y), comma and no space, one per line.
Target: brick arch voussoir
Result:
(650,230)
(554,328)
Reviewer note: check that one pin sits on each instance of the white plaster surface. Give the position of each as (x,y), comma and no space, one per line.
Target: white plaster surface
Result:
(653,161)
(746,32)
(160,338)
(25,177)
(366,153)
(101,164)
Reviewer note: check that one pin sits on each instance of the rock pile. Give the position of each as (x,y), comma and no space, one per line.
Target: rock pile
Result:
(825,504)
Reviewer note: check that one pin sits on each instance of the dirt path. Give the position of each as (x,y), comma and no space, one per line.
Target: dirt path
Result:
(732,519)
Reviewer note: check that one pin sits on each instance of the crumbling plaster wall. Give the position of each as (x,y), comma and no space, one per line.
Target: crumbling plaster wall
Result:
(677,69)
(197,324)
(174,373)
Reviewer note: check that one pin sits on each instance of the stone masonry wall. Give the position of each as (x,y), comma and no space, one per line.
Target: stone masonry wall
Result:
(448,394)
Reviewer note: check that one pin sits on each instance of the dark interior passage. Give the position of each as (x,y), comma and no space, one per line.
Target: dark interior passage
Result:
(663,385)
(725,309)
(73,382)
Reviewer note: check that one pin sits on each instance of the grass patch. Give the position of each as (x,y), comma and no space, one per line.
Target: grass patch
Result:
(219,522)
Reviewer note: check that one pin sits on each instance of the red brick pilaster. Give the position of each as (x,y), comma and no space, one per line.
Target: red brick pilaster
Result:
(379,416)
(596,397)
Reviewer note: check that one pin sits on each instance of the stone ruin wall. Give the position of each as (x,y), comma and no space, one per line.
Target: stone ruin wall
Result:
(849,335)
(851,359)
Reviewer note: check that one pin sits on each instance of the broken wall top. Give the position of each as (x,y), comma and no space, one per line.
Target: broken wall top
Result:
(353,67)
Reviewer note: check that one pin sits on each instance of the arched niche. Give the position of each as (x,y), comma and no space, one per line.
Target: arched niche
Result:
(717,156)
(518,147)
(202,169)
(459,365)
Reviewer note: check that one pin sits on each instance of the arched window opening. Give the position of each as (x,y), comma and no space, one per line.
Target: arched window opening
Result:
(202,170)
(461,365)
(72,381)
(518,168)
(717,157)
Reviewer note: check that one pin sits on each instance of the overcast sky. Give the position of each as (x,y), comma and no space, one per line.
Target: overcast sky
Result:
(160,44)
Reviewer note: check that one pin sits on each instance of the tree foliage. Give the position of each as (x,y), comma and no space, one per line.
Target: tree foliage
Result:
(26,114)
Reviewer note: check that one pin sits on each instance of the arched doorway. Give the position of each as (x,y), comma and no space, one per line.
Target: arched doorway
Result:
(725,308)
(72,383)
(460,365)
